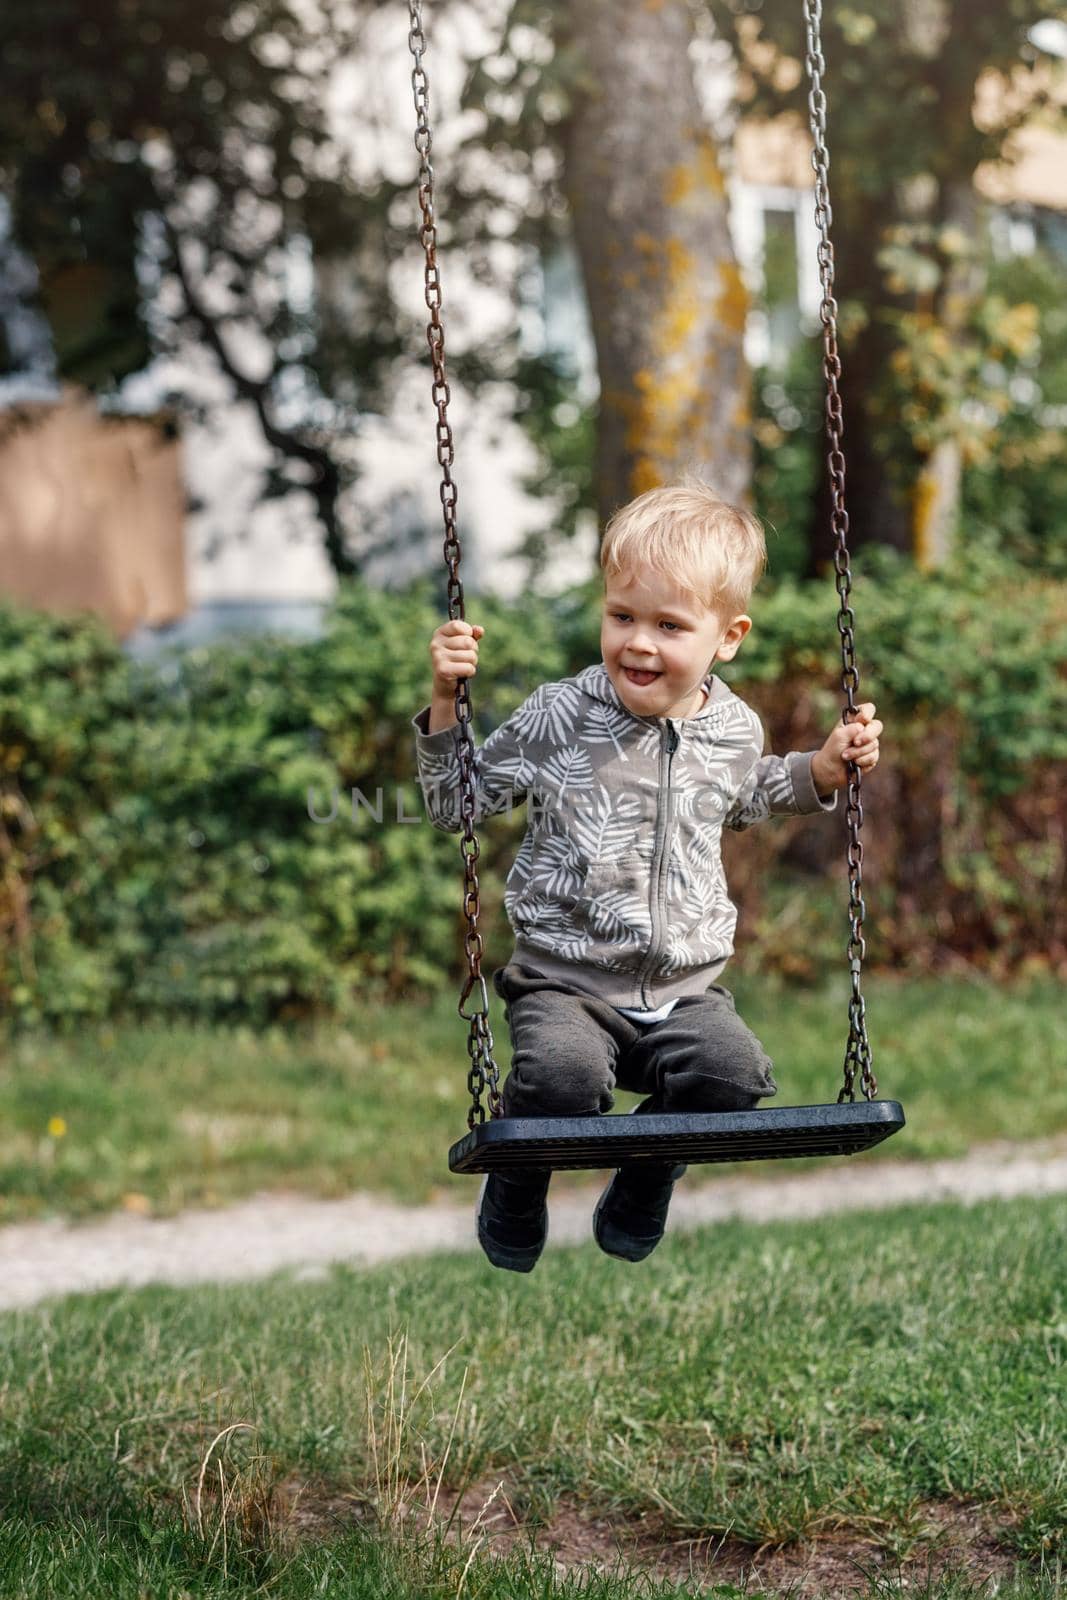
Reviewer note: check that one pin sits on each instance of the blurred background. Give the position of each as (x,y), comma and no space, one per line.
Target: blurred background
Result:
(219,516)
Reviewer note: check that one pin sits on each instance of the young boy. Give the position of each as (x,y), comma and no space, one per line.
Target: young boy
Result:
(617,898)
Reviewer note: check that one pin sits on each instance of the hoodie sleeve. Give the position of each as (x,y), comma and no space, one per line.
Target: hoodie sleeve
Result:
(503,768)
(776,786)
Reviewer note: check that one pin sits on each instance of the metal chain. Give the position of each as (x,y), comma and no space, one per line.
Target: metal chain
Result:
(483,1074)
(858,1051)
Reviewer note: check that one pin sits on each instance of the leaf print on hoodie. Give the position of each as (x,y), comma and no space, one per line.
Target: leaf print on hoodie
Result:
(618,886)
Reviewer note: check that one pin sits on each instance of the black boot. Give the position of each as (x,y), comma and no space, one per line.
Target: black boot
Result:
(513,1218)
(631,1214)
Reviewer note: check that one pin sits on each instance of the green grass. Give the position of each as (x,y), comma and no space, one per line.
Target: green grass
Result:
(161,1117)
(135,1562)
(131,1562)
(775,1383)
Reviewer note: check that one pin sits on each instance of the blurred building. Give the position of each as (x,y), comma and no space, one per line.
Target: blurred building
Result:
(92,513)
(173,541)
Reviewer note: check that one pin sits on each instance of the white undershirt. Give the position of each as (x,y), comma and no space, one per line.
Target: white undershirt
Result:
(659,1015)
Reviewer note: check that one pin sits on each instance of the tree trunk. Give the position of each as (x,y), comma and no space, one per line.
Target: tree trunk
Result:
(938,488)
(879,508)
(937,503)
(912,502)
(665,294)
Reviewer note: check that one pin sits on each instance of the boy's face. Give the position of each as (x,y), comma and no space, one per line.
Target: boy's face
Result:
(659,643)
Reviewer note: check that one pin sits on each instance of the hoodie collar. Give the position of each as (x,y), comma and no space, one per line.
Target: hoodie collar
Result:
(596,683)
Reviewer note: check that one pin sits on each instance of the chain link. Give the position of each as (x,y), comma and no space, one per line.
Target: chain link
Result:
(483,1075)
(858,1051)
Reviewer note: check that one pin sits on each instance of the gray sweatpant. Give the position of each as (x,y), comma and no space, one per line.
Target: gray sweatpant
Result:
(570,1050)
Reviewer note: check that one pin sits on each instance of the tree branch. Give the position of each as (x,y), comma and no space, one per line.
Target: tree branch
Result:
(325,487)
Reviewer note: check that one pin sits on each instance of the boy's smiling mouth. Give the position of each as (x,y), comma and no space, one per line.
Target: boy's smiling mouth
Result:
(639,677)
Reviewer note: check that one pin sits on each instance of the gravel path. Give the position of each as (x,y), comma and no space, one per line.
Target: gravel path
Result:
(273,1231)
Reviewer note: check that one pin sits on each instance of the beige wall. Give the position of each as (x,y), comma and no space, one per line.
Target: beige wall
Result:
(91,514)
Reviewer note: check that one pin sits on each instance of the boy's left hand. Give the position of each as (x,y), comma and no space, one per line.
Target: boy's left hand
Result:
(856,741)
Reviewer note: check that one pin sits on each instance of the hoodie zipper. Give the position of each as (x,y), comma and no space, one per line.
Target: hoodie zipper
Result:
(660,858)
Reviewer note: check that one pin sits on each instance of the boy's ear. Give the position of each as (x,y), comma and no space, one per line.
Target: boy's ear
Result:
(733,634)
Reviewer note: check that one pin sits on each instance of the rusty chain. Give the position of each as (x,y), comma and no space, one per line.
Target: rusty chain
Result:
(483,1074)
(858,1050)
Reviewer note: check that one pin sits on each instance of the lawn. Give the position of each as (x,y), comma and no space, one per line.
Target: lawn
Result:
(842,1379)
(157,1118)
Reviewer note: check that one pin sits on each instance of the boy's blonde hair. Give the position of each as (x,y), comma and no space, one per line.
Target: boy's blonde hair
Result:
(714,550)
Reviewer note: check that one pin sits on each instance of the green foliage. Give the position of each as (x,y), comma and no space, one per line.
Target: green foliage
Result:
(170,169)
(1001,391)
(969,671)
(80,162)
(160,851)
(787,441)
(929,647)
(1015,495)
(920,325)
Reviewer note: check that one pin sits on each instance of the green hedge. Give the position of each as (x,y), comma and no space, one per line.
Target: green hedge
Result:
(158,856)
(965,817)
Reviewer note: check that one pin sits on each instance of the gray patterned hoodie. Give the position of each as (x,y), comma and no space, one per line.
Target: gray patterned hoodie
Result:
(618,887)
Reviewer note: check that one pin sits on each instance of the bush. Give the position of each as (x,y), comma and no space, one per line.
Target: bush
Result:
(159,853)
(964,836)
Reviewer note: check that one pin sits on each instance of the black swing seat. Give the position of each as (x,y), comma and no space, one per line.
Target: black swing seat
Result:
(778,1131)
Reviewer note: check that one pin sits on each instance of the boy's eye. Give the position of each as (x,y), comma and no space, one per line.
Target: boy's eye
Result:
(625,616)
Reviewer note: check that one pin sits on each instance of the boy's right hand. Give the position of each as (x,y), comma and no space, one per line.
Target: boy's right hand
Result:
(454,654)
